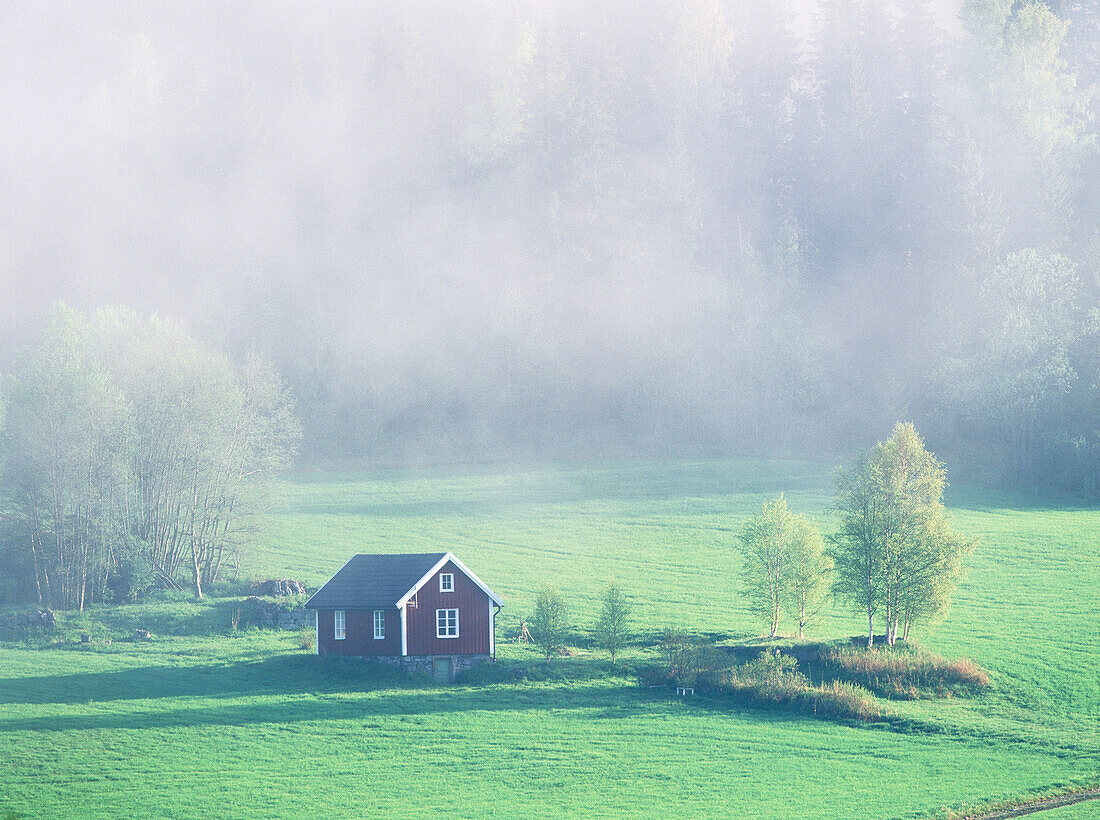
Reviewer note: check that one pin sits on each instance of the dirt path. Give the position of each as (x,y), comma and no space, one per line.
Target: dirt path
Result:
(1038,805)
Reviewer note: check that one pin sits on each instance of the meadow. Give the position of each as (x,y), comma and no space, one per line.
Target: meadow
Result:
(206,721)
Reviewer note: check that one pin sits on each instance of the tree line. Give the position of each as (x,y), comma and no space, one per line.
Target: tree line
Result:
(133,457)
(866,159)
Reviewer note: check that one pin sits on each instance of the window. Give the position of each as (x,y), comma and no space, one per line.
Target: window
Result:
(379,624)
(446,623)
(446,582)
(338,625)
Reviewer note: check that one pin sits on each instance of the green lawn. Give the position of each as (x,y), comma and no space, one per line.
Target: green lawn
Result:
(251,726)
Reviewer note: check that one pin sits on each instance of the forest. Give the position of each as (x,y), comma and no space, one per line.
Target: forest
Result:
(521,229)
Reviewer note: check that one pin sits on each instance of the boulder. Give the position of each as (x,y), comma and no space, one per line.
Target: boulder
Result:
(278,588)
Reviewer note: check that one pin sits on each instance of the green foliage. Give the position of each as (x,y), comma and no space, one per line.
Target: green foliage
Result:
(895,553)
(1023,400)
(783,563)
(771,680)
(772,668)
(691,660)
(808,571)
(612,627)
(550,622)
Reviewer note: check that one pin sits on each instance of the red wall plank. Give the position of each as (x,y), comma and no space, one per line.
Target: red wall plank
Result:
(359,633)
(473,617)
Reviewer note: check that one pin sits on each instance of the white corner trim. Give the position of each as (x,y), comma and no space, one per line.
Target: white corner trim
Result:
(424,579)
(492,629)
(404,632)
(316,632)
(439,565)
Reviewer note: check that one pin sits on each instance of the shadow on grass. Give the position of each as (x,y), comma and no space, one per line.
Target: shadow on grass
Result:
(414,705)
(276,675)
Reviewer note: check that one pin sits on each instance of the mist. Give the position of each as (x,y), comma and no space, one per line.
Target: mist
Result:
(487,230)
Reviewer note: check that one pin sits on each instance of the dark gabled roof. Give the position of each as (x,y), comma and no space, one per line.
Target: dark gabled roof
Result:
(374,581)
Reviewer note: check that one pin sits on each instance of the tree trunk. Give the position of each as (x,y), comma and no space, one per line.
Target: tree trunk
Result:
(870,627)
(37,580)
(196,574)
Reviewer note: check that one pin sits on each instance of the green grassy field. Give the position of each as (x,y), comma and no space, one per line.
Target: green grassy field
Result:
(249,725)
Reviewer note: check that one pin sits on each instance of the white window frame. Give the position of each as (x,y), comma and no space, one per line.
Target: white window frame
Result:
(339,625)
(446,625)
(379,624)
(450,585)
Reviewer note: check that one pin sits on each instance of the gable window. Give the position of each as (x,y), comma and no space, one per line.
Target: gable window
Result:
(446,623)
(379,624)
(338,625)
(446,582)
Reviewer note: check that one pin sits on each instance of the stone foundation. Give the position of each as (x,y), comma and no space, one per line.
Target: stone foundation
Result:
(424,664)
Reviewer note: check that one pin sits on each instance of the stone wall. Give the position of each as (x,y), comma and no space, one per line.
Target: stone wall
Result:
(23,622)
(273,615)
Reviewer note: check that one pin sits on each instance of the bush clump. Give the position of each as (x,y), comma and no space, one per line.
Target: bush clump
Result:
(905,675)
(307,639)
(771,680)
(774,679)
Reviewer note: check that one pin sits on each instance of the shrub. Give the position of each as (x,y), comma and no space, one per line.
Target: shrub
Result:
(691,660)
(133,577)
(772,668)
(307,639)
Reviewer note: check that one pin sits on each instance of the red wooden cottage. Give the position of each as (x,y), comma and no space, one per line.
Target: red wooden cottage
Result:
(424,611)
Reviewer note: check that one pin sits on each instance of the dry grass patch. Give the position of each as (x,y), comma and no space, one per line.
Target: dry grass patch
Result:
(905,674)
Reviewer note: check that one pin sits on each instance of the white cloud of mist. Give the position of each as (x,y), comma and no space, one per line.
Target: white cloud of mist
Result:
(337,185)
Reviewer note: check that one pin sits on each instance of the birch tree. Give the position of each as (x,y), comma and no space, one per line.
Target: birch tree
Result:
(763,548)
(550,623)
(895,554)
(809,570)
(128,436)
(64,463)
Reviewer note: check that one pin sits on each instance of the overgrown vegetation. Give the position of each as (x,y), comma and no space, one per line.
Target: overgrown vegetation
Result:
(904,674)
(771,680)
